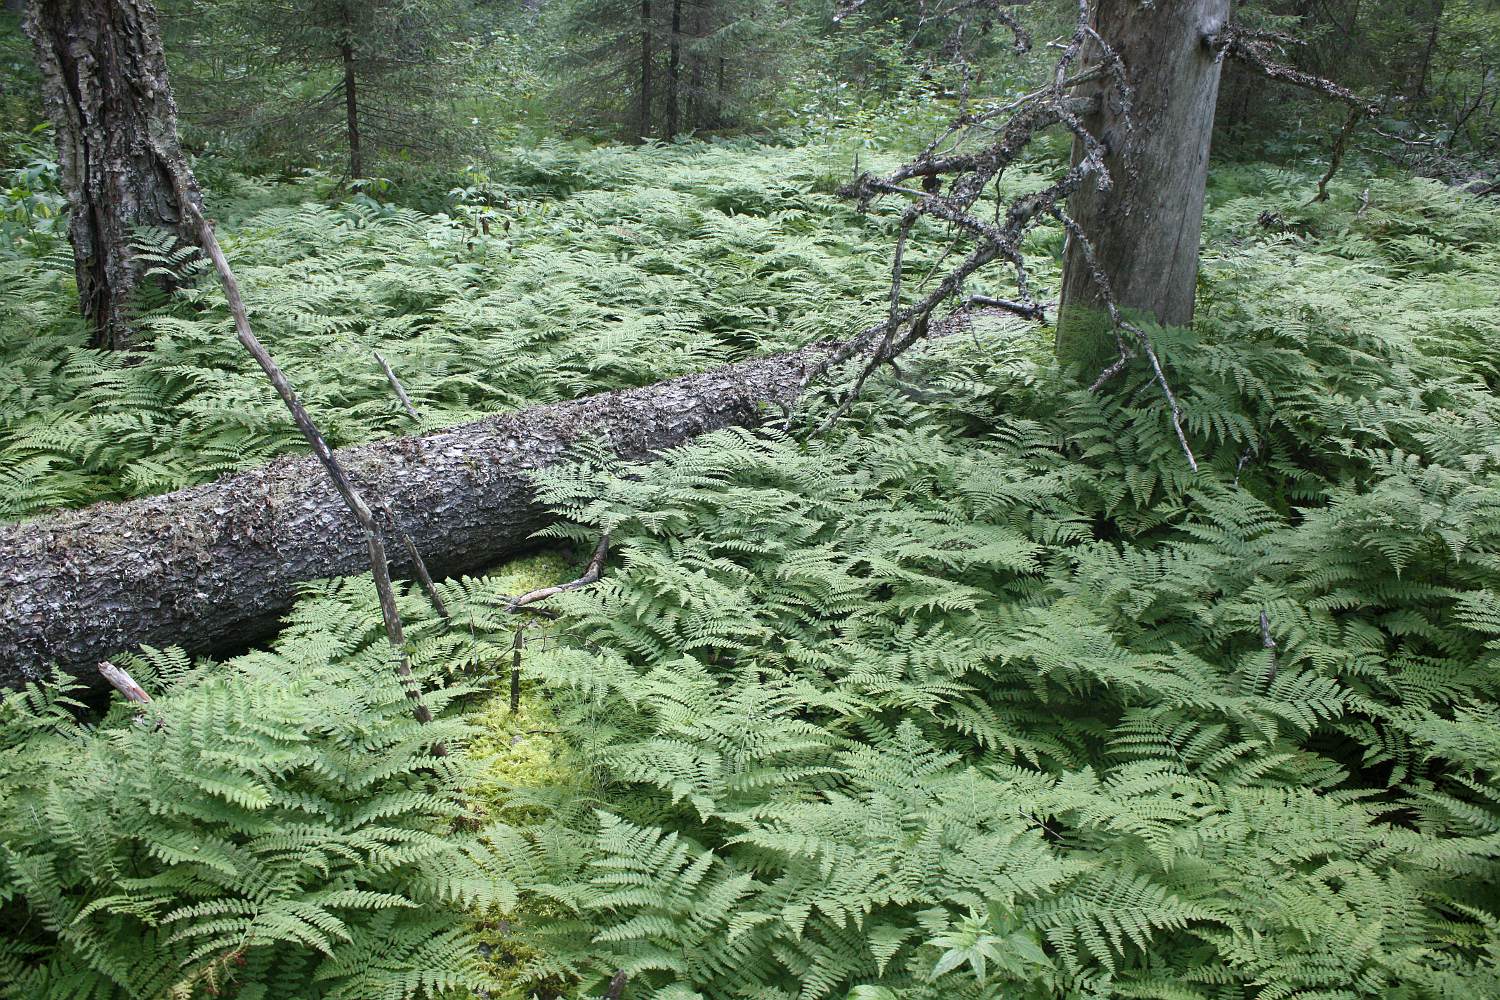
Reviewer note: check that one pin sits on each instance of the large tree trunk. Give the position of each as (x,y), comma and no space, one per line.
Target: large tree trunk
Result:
(214,567)
(1145,230)
(104,83)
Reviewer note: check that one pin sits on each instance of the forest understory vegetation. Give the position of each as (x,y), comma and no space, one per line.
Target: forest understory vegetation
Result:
(987,689)
(969,697)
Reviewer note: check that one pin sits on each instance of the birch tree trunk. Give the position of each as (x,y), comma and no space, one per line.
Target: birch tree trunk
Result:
(1146,229)
(104,84)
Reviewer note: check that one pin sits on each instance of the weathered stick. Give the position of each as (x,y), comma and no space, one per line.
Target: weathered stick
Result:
(1336,158)
(122,682)
(188,199)
(390,376)
(419,565)
(1269,644)
(516,646)
(590,575)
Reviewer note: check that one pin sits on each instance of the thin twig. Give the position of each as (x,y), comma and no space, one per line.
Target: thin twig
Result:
(418,563)
(390,376)
(1336,157)
(1269,644)
(527,602)
(516,646)
(591,574)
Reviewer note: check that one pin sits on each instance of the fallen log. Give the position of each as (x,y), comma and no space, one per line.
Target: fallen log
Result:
(214,567)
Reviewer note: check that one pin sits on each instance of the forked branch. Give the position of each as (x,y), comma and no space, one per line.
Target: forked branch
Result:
(952,175)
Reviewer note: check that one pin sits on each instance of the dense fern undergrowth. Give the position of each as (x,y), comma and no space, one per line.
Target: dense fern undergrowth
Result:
(567,273)
(968,698)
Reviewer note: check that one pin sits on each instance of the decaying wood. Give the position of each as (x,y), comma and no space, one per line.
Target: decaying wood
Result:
(121,681)
(214,567)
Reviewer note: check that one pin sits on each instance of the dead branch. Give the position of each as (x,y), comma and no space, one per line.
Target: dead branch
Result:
(1269,645)
(1258,52)
(418,564)
(591,574)
(1009,130)
(955,170)
(189,199)
(517,644)
(1340,146)
(122,682)
(400,390)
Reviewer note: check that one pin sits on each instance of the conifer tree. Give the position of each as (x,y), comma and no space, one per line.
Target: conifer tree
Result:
(370,79)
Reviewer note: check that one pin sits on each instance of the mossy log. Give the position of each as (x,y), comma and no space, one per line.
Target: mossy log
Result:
(214,567)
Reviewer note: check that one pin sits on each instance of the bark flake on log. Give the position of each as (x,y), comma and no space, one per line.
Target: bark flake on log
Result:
(214,567)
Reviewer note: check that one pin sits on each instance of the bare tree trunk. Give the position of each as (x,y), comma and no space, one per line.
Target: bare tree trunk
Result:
(643,127)
(694,112)
(1145,231)
(1418,90)
(351,96)
(674,68)
(104,84)
(214,567)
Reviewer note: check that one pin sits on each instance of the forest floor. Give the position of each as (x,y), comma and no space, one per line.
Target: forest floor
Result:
(839,697)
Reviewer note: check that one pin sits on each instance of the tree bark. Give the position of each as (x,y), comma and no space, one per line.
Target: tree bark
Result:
(643,127)
(104,84)
(1146,229)
(674,69)
(351,97)
(1417,90)
(214,567)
